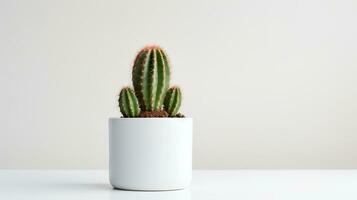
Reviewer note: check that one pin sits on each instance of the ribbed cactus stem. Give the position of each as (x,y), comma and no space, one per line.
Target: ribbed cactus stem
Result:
(172,101)
(151,77)
(128,103)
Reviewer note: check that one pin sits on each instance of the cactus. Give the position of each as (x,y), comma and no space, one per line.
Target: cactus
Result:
(172,101)
(150,96)
(128,103)
(151,77)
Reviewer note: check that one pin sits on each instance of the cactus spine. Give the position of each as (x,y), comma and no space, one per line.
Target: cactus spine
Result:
(151,77)
(128,103)
(172,101)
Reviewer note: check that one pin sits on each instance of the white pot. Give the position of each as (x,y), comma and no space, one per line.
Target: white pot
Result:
(150,153)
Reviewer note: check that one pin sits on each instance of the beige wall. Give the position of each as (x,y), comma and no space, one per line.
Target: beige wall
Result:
(270,84)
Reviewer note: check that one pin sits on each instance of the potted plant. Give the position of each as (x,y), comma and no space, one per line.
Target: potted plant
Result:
(150,146)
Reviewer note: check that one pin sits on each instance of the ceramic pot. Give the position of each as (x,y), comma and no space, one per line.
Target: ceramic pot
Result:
(150,153)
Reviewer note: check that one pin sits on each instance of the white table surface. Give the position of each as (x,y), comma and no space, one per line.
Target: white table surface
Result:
(206,185)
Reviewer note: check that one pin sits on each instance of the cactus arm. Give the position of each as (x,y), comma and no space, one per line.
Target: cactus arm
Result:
(172,101)
(128,103)
(123,103)
(177,102)
(134,103)
(131,103)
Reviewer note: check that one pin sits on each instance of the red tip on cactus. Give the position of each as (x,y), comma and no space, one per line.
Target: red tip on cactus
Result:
(151,46)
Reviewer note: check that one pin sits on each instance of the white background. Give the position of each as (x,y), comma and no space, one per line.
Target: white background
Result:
(270,84)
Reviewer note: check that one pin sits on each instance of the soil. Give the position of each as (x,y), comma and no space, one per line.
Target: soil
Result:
(179,115)
(157,113)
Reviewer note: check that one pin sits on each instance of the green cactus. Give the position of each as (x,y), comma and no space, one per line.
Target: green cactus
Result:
(151,77)
(150,96)
(128,103)
(172,101)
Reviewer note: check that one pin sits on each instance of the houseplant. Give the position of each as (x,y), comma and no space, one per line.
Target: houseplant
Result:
(150,147)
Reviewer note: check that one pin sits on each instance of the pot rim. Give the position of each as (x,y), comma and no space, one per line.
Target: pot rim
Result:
(150,118)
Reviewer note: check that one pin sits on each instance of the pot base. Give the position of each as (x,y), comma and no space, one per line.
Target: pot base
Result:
(147,190)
